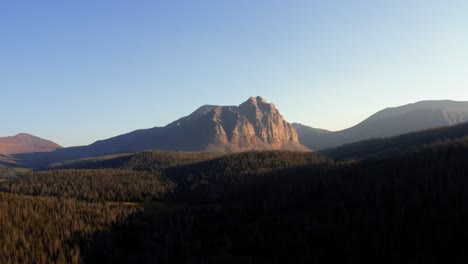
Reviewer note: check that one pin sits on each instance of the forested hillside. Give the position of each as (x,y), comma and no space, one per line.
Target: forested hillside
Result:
(52,230)
(146,160)
(252,207)
(394,146)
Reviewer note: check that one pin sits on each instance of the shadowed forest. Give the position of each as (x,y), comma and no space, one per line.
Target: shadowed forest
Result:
(404,205)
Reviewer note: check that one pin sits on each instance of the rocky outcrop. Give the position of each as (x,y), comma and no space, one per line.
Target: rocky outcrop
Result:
(253,125)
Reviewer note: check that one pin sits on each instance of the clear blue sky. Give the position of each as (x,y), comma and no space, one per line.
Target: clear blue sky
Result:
(79,71)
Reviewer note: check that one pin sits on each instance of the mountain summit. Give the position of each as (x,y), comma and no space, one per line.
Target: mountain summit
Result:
(25,143)
(253,125)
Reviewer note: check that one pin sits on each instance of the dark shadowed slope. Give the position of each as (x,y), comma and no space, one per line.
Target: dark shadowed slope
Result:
(147,160)
(25,143)
(8,161)
(392,122)
(253,125)
(398,145)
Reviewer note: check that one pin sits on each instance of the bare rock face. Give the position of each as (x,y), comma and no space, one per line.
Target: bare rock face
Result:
(253,125)
(25,143)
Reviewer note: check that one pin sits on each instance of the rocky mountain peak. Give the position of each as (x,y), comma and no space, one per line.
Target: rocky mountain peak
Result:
(257,102)
(254,124)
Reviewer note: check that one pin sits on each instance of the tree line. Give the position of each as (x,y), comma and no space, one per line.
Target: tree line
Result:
(253,207)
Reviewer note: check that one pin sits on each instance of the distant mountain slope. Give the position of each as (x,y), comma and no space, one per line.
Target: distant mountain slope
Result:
(392,122)
(398,145)
(25,143)
(253,125)
(307,134)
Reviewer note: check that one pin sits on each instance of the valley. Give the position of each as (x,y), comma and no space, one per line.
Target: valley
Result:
(255,206)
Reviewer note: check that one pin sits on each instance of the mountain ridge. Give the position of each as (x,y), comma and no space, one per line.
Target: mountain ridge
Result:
(392,121)
(253,125)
